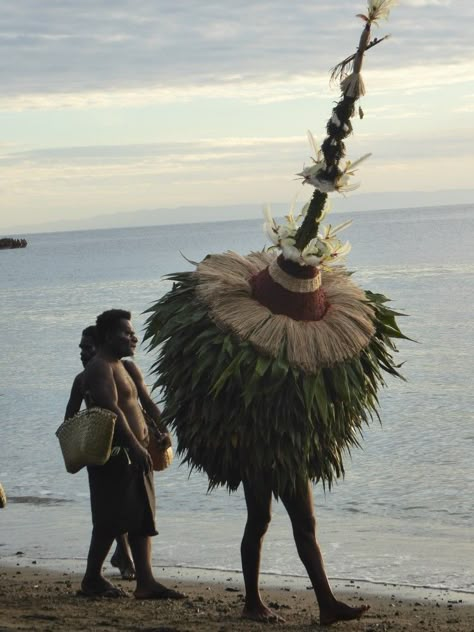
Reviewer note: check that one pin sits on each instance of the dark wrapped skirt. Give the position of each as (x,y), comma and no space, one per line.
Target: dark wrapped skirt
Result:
(122,498)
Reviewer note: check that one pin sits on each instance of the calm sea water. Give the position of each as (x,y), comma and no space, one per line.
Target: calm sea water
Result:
(404,512)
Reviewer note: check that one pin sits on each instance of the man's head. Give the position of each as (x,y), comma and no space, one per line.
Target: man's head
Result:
(115,332)
(88,344)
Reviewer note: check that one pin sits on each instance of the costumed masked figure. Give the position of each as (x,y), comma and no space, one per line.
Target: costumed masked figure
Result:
(270,363)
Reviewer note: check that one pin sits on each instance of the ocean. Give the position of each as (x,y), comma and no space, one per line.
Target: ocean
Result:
(403,513)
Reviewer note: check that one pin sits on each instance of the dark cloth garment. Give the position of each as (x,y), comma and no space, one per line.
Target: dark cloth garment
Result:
(122,498)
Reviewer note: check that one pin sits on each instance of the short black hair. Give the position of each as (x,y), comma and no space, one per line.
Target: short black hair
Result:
(108,322)
(90,332)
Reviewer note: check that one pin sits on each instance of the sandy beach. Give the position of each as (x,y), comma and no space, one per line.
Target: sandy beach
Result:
(35,598)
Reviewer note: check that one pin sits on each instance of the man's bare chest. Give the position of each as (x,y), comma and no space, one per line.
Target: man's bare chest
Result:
(126,389)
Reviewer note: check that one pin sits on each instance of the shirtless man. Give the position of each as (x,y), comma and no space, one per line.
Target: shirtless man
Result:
(121,557)
(122,491)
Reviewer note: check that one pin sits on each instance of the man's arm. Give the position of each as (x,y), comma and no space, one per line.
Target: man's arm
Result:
(75,398)
(100,385)
(162,435)
(144,396)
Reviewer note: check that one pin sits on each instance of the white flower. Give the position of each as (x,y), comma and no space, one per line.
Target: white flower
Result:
(342,181)
(314,175)
(310,174)
(321,251)
(267,214)
(329,231)
(305,208)
(270,227)
(325,211)
(292,253)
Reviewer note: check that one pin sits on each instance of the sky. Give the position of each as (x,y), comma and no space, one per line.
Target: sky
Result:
(109,107)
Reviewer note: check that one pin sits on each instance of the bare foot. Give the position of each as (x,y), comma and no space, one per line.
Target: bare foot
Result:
(125,566)
(100,587)
(158,591)
(261,613)
(340,611)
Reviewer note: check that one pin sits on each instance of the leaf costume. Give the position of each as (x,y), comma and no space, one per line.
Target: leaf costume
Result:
(270,363)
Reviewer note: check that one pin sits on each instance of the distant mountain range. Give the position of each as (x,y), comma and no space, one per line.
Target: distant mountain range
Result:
(190,214)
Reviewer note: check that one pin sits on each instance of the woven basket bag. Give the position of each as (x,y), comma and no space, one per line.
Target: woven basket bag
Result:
(86,438)
(3,497)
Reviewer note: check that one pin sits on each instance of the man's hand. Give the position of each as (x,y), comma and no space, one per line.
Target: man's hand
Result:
(141,458)
(163,439)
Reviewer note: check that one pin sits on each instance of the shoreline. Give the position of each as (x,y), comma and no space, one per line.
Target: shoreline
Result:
(75,566)
(36,597)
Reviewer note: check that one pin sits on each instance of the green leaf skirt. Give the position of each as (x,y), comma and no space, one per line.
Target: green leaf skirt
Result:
(240,411)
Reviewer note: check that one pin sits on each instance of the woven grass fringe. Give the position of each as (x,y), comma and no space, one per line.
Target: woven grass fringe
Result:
(346,328)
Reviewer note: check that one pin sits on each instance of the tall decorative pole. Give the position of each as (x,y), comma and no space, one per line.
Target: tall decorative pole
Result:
(326,174)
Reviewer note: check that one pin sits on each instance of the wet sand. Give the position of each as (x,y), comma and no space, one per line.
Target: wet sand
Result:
(35,598)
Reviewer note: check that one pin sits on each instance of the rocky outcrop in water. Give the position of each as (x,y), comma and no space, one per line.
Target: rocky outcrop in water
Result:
(9,242)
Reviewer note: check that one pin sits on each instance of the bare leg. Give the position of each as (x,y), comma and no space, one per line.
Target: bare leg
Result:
(301,512)
(258,519)
(93,582)
(147,586)
(122,559)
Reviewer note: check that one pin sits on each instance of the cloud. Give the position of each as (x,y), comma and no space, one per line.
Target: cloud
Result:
(411,79)
(229,158)
(271,89)
(69,52)
(89,45)
(99,161)
(225,87)
(428,3)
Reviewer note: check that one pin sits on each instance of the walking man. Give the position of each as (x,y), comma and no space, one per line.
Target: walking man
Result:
(121,557)
(122,490)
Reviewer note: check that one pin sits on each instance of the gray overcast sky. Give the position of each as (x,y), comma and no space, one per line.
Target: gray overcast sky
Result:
(109,106)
